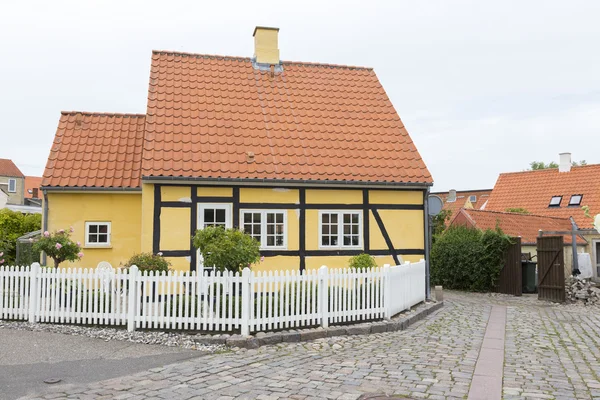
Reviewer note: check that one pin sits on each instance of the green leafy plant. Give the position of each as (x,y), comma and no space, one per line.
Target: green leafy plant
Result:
(226,249)
(517,210)
(468,259)
(13,225)
(362,261)
(439,222)
(59,246)
(149,262)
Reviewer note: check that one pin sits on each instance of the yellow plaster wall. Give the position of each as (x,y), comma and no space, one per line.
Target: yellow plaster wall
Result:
(214,191)
(179,263)
(147,216)
(395,197)
(268,195)
(123,211)
(312,230)
(334,196)
(280,263)
(176,193)
(175,228)
(404,227)
(293,229)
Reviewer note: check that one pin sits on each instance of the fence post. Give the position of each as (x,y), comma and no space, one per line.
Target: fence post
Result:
(324,295)
(387,292)
(246,302)
(33,294)
(132,298)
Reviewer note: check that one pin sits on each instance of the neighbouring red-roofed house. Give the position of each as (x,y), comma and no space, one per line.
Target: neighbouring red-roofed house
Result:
(554,192)
(454,200)
(310,159)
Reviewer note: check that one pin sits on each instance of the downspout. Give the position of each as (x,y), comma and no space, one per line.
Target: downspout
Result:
(574,230)
(428,235)
(45,221)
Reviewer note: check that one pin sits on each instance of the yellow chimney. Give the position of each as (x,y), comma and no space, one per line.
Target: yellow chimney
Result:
(266,48)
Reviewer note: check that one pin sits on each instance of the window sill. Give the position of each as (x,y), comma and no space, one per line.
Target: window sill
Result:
(86,247)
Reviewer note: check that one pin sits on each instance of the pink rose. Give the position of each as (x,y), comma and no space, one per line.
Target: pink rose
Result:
(2,261)
(79,244)
(46,234)
(80,254)
(1,253)
(61,231)
(262,258)
(71,230)
(58,246)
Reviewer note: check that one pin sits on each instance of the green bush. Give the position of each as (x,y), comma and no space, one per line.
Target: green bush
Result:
(59,246)
(468,259)
(13,225)
(227,249)
(148,262)
(362,261)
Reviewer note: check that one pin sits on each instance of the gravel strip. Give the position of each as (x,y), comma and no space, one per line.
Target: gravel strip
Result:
(170,339)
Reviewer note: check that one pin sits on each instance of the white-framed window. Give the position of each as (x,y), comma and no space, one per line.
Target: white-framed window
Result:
(340,229)
(473,198)
(218,214)
(97,234)
(269,227)
(12,185)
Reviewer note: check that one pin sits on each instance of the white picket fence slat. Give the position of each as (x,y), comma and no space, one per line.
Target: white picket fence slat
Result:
(211,301)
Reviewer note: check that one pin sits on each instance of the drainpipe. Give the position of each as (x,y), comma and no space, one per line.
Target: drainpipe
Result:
(428,234)
(574,229)
(45,221)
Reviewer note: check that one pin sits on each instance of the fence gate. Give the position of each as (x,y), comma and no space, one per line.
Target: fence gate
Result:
(511,276)
(551,270)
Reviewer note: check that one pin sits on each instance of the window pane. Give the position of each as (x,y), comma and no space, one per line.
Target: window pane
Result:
(325,241)
(555,201)
(93,238)
(270,229)
(354,240)
(103,228)
(270,241)
(247,217)
(209,215)
(270,218)
(334,229)
(334,241)
(256,229)
(256,218)
(347,229)
(93,228)
(347,218)
(325,229)
(355,218)
(279,229)
(346,240)
(325,218)
(102,238)
(355,229)
(334,218)
(220,216)
(279,218)
(279,240)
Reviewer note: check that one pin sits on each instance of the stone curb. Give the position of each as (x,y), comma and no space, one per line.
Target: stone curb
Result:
(398,323)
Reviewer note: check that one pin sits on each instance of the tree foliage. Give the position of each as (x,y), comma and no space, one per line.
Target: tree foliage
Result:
(536,165)
(226,249)
(439,222)
(362,262)
(468,259)
(13,225)
(59,246)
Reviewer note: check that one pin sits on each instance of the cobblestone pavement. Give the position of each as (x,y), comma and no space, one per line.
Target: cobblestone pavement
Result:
(551,352)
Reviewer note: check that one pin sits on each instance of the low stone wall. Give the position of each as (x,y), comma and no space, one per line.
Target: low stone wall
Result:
(397,323)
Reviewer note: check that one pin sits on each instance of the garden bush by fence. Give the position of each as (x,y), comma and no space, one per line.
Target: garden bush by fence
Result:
(215,300)
(468,259)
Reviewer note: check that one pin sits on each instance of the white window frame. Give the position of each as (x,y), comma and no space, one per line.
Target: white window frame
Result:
(341,229)
(14,183)
(96,244)
(216,206)
(263,227)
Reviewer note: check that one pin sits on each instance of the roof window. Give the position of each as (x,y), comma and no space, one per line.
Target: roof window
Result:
(555,201)
(473,198)
(575,200)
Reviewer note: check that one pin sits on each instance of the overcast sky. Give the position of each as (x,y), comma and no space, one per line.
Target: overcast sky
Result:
(483,87)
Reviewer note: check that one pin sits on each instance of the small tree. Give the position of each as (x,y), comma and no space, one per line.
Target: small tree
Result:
(226,249)
(59,246)
(148,262)
(362,262)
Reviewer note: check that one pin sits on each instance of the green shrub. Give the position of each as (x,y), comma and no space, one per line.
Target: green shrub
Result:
(468,259)
(362,261)
(59,246)
(13,225)
(227,249)
(148,262)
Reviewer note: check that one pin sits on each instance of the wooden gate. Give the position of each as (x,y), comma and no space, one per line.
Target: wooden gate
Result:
(551,270)
(510,280)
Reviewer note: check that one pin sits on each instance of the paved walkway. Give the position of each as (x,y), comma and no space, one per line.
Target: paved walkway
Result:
(550,352)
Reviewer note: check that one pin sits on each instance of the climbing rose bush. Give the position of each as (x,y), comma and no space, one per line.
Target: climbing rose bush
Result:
(59,246)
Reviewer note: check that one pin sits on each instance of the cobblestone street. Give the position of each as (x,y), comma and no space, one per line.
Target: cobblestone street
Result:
(550,352)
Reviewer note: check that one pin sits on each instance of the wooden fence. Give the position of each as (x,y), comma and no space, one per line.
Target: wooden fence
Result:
(211,301)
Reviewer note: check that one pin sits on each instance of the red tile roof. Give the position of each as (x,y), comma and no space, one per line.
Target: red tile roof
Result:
(311,122)
(513,224)
(532,190)
(8,168)
(32,182)
(96,150)
(462,196)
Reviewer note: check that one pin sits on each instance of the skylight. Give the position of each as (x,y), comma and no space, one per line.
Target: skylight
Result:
(473,198)
(555,201)
(575,200)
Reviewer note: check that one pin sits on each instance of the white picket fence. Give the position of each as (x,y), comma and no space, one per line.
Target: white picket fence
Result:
(210,301)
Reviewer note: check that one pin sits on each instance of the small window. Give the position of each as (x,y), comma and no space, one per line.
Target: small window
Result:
(555,201)
(340,229)
(12,185)
(473,199)
(575,200)
(97,234)
(267,227)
